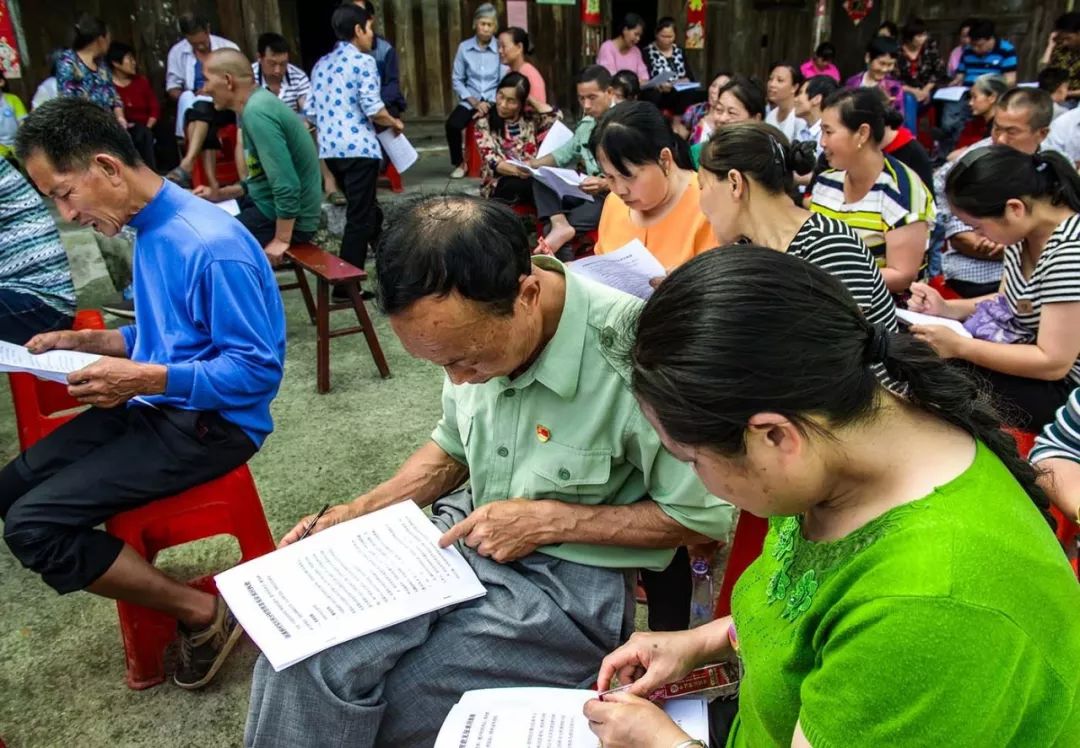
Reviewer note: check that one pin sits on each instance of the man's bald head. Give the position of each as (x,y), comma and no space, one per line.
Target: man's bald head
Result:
(230,62)
(229,80)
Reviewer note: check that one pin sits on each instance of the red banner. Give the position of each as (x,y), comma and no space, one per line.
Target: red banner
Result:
(695,24)
(590,13)
(9,44)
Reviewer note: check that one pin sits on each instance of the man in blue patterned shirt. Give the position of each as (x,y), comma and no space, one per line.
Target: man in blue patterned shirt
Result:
(36,294)
(345,106)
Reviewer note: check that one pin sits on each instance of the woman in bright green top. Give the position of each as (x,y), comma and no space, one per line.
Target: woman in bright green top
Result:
(911,592)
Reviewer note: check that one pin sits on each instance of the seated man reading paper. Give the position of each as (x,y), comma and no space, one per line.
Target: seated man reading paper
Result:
(570,489)
(180,397)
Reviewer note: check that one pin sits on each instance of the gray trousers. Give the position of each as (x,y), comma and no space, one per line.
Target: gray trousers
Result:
(543,622)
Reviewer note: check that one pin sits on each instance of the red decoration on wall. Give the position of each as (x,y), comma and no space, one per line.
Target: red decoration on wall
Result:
(590,13)
(695,24)
(858,9)
(9,45)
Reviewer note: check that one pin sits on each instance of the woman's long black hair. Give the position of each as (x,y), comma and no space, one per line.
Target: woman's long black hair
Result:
(744,330)
(985,179)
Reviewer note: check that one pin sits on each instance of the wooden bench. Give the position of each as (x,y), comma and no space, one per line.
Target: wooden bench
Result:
(331,271)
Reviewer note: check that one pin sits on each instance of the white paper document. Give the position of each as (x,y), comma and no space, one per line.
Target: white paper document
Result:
(51,365)
(660,79)
(398,149)
(352,579)
(229,206)
(687,86)
(628,269)
(918,318)
(950,93)
(563,182)
(557,136)
(543,718)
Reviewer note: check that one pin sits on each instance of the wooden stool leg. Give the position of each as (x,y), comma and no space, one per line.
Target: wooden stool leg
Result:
(369,329)
(305,291)
(322,332)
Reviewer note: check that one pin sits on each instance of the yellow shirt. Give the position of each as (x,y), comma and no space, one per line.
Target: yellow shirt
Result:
(680,235)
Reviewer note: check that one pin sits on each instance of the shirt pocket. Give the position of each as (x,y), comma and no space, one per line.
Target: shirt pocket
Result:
(573,471)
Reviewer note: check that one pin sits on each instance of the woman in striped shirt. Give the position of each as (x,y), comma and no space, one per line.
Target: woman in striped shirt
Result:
(1057,453)
(1030,204)
(882,199)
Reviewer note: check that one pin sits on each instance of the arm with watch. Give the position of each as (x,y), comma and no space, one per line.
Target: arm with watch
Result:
(648,661)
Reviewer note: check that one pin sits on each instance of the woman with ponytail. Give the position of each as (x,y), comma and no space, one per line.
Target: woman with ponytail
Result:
(1029,204)
(746,188)
(910,591)
(654,191)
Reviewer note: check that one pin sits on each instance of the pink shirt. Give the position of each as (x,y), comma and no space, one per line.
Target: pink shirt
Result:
(537,87)
(610,57)
(809,70)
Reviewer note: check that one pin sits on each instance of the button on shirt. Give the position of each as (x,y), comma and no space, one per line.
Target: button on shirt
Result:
(344,98)
(573,431)
(477,71)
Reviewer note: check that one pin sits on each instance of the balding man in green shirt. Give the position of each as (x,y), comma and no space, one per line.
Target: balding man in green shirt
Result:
(570,491)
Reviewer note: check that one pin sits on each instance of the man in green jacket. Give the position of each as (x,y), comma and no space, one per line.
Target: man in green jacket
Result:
(281,196)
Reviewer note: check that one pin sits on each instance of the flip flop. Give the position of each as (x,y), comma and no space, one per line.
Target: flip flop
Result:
(180,177)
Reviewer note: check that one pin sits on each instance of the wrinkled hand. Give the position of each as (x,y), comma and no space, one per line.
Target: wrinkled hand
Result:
(110,381)
(59,340)
(398,127)
(944,341)
(625,721)
(926,300)
(482,109)
(990,250)
(206,192)
(275,251)
(335,515)
(504,531)
(650,660)
(593,185)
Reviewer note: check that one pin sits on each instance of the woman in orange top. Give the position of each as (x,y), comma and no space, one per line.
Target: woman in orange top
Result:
(654,192)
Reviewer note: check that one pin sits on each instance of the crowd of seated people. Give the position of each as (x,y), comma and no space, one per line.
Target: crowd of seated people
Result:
(770,371)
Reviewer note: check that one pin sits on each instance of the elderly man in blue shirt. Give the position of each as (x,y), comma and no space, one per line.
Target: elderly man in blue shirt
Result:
(476,76)
(345,106)
(179,398)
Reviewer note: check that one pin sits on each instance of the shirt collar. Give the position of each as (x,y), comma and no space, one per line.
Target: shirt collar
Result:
(474,43)
(558,367)
(165,202)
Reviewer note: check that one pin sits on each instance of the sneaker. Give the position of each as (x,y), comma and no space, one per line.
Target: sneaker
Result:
(458,172)
(121,308)
(203,652)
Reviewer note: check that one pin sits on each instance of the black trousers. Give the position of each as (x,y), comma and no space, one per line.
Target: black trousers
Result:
(357,178)
(456,123)
(204,111)
(669,594)
(105,461)
(143,138)
(261,226)
(514,190)
(1023,403)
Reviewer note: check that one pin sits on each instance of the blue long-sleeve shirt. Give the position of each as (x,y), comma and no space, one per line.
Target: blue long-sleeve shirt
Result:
(477,71)
(207,307)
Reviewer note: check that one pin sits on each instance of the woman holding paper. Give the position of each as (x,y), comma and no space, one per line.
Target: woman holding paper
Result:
(890,604)
(654,192)
(664,56)
(1030,354)
(509,137)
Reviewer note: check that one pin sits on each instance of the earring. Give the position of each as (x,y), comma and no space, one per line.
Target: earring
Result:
(860,146)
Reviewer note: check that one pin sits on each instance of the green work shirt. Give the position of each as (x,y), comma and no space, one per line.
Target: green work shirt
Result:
(569,428)
(949,621)
(283,179)
(569,154)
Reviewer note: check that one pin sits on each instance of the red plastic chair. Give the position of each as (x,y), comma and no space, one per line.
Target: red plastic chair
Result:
(394,178)
(938,284)
(746,546)
(473,162)
(225,167)
(228,505)
(40,406)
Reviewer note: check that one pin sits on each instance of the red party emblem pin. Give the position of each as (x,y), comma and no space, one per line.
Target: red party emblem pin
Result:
(543,433)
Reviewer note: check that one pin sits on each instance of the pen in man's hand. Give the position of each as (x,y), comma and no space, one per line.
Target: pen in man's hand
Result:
(311,524)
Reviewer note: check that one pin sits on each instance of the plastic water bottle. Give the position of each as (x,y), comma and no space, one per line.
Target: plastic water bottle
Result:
(701,591)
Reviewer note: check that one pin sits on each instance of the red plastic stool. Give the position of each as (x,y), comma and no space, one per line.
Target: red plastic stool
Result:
(394,178)
(938,284)
(40,405)
(473,162)
(746,546)
(228,505)
(225,167)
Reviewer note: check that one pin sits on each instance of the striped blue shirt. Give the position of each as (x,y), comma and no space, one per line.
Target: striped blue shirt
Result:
(998,61)
(1061,437)
(32,259)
